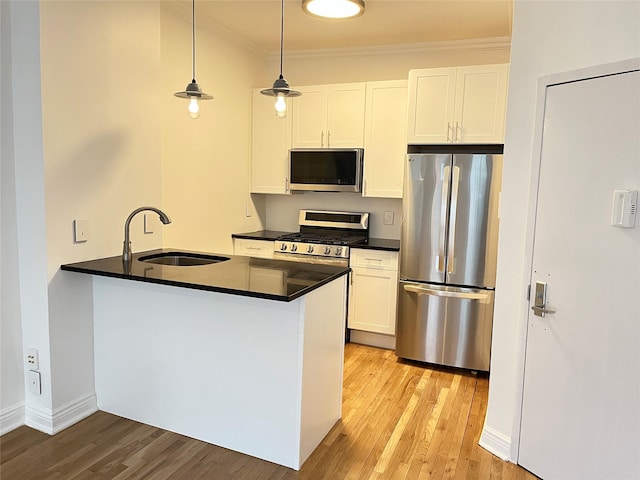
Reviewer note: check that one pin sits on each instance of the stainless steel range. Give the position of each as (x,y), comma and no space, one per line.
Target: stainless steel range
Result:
(324,237)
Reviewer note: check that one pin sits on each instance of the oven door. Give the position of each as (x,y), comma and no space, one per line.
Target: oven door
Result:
(316,259)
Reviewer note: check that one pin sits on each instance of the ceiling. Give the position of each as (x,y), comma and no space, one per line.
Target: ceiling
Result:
(385,22)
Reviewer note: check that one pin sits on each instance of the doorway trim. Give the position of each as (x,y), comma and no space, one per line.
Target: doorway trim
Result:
(544,83)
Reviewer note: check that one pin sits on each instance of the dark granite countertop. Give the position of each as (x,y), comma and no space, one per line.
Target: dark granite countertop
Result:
(260,235)
(247,276)
(372,244)
(380,244)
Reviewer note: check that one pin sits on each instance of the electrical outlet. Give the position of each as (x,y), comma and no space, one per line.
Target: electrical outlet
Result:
(80,230)
(34,382)
(32,359)
(388,218)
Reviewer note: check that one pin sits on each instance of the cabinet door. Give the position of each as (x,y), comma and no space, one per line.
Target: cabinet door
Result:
(253,248)
(385,138)
(374,291)
(270,143)
(345,115)
(372,300)
(310,117)
(481,99)
(431,105)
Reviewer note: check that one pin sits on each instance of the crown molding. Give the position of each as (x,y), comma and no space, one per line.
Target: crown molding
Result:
(481,44)
(182,11)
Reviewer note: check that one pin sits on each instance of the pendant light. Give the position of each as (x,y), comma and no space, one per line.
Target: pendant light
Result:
(281,88)
(333,8)
(193,92)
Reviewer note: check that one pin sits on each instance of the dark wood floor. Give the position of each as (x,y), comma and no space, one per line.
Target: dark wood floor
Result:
(400,421)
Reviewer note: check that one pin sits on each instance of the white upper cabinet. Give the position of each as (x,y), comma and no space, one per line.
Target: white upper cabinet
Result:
(329,116)
(270,144)
(457,105)
(385,138)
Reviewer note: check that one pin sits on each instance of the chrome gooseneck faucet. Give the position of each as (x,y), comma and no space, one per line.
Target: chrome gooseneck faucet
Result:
(126,250)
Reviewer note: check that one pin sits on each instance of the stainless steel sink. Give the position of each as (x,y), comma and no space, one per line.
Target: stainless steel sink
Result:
(182,259)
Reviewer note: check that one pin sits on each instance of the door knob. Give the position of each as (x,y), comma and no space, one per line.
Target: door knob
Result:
(540,300)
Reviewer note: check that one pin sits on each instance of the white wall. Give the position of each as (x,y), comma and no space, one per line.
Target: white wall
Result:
(548,37)
(24,113)
(94,147)
(100,84)
(361,65)
(11,376)
(205,162)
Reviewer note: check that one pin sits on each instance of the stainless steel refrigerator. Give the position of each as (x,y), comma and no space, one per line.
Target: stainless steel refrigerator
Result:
(448,259)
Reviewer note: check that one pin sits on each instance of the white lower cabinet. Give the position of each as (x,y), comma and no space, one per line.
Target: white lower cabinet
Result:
(373,292)
(253,248)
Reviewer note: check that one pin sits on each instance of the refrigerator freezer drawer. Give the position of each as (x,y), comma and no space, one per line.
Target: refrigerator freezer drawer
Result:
(445,325)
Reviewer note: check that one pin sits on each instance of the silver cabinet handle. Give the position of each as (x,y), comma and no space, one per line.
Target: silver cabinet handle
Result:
(373,259)
(449,128)
(322,139)
(328,138)
(457,137)
(423,290)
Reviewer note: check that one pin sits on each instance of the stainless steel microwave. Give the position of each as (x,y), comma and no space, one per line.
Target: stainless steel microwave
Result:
(326,169)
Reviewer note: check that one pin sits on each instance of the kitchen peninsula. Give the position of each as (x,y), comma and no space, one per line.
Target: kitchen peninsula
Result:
(245,353)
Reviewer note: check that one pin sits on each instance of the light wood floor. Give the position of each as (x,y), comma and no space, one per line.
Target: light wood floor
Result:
(400,421)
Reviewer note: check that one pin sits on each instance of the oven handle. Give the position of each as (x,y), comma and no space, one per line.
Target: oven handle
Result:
(340,262)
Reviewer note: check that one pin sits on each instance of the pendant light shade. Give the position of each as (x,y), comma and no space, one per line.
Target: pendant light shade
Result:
(333,8)
(280,89)
(193,92)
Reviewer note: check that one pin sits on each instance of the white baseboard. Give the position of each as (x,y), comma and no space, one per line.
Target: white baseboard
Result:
(495,442)
(11,417)
(373,339)
(53,421)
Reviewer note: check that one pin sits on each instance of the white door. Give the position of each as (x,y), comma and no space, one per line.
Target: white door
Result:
(581,399)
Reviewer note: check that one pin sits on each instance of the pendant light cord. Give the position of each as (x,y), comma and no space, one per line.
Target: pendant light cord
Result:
(193,39)
(281,37)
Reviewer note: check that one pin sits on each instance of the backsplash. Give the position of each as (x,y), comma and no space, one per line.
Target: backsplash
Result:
(282,210)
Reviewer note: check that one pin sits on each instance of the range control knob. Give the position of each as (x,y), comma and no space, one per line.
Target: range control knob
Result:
(310,249)
(283,247)
(338,251)
(294,247)
(327,250)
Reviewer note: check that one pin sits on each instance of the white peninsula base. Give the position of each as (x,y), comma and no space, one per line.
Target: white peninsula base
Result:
(258,376)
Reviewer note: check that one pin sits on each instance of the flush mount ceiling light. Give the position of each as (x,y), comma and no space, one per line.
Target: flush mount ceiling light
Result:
(193,92)
(281,88)
(333,8)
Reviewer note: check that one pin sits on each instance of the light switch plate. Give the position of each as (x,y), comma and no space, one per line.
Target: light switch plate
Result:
(34,382)
(388,218)
(80,231)
(149,220)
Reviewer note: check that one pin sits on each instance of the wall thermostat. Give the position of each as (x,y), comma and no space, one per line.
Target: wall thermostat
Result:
(625,207)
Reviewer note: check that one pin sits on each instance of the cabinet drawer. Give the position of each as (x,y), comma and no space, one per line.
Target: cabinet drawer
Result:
(379,259)
(253,248)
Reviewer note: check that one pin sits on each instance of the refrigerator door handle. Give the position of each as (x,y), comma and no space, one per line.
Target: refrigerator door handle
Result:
(425,290)
(444,203)
(452,221)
